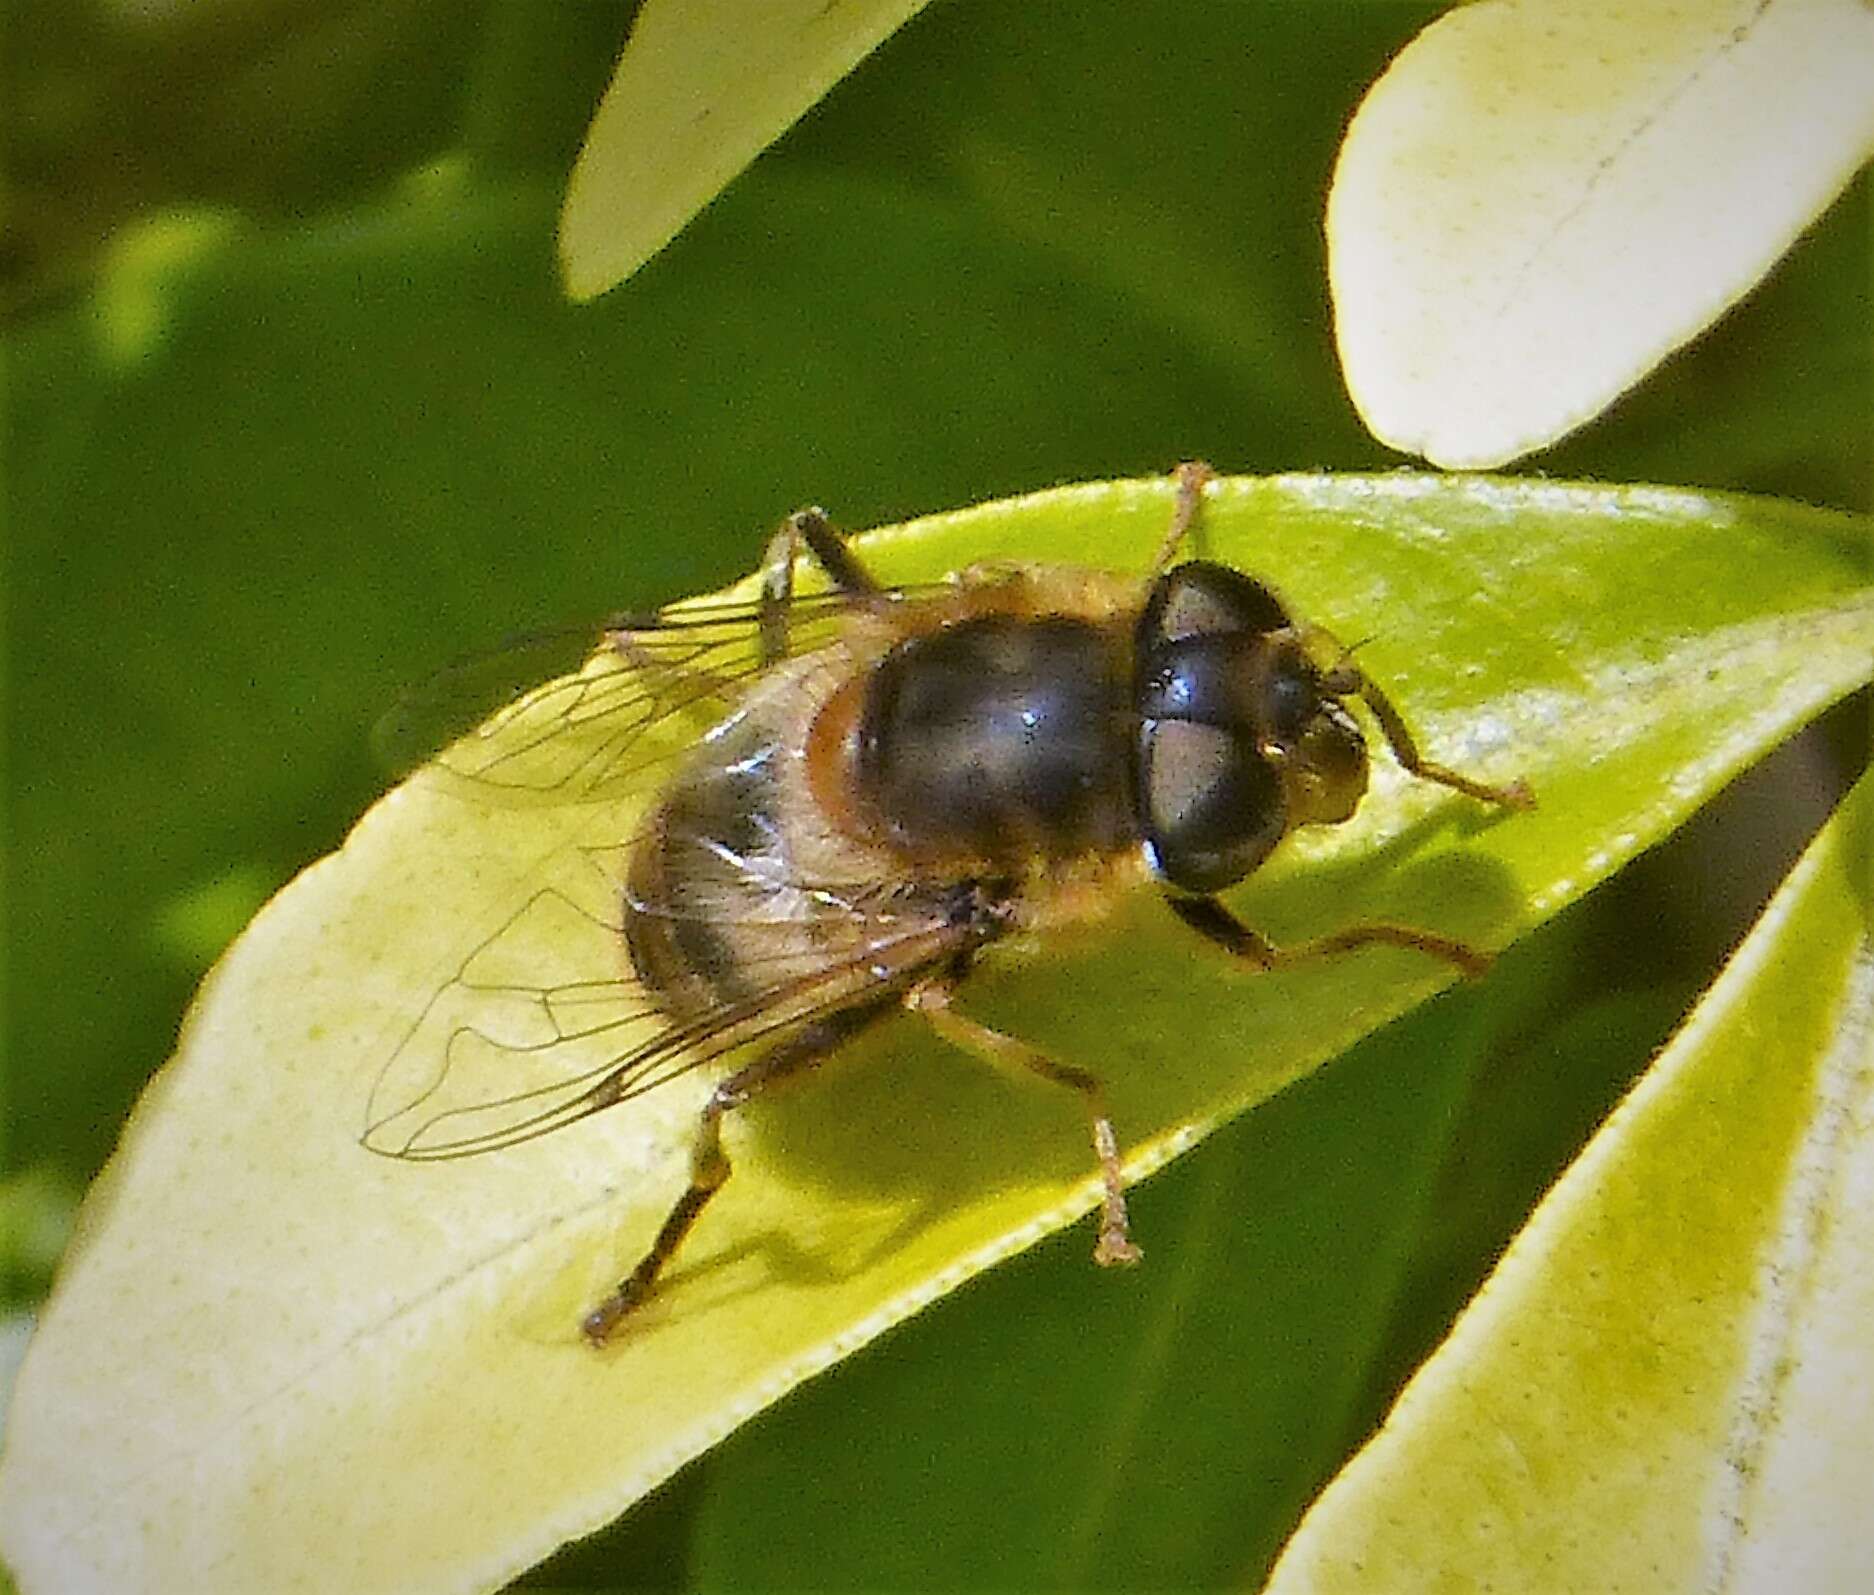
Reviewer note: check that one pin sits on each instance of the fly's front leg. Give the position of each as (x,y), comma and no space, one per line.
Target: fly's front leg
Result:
(1190,480)
(1348,678)
(932,1000)
(709,1164)
(1211,920)
(807,529)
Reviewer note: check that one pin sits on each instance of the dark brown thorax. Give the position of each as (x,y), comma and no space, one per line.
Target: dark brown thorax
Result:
(1001,737)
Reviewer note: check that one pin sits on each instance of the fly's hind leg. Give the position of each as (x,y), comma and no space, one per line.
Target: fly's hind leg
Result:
(709,1164)
(932,1000)
(807,529)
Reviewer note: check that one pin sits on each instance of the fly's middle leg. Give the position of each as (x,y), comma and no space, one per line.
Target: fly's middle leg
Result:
(807,529)
(709,1163)
(932,1000)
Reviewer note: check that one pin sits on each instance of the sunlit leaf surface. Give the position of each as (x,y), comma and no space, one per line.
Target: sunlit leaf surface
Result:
(275,1360)
(702,88)
(1539,201)
(1669,1382)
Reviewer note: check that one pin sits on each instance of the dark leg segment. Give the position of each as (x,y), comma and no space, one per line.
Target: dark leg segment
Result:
(709,1164)
(1210,919)
(932,1000)
(808,529)
(1349,678)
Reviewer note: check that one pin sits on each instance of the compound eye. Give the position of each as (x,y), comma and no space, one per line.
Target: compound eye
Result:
(1291,698)
(1211,805)
(1201,598)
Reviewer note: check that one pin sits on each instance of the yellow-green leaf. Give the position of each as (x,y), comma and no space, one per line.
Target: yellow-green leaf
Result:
(1668,1384)
(1541,199)
(274,1360)
(701,89)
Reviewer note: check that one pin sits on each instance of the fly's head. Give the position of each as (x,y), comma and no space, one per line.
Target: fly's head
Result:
(1243,733)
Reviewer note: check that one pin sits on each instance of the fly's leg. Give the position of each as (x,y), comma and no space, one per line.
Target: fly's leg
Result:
(932,1000)
(811,530)
(709,1164)
(1190,479)
(1210,919)
(807,529)
(1347,678)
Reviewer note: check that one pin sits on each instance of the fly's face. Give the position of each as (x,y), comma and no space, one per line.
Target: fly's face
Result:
(1314,741)
(1242,731)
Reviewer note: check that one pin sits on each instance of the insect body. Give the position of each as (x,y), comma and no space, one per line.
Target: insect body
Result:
(923,774)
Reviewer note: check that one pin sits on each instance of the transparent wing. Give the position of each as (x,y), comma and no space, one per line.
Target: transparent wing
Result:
(447,706)
(538,1027)
(630,696)
(541,1020)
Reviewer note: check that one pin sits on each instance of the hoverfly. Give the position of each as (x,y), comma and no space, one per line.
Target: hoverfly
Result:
(893,780)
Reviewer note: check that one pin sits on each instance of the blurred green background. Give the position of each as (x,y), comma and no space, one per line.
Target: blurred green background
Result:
(295,415)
